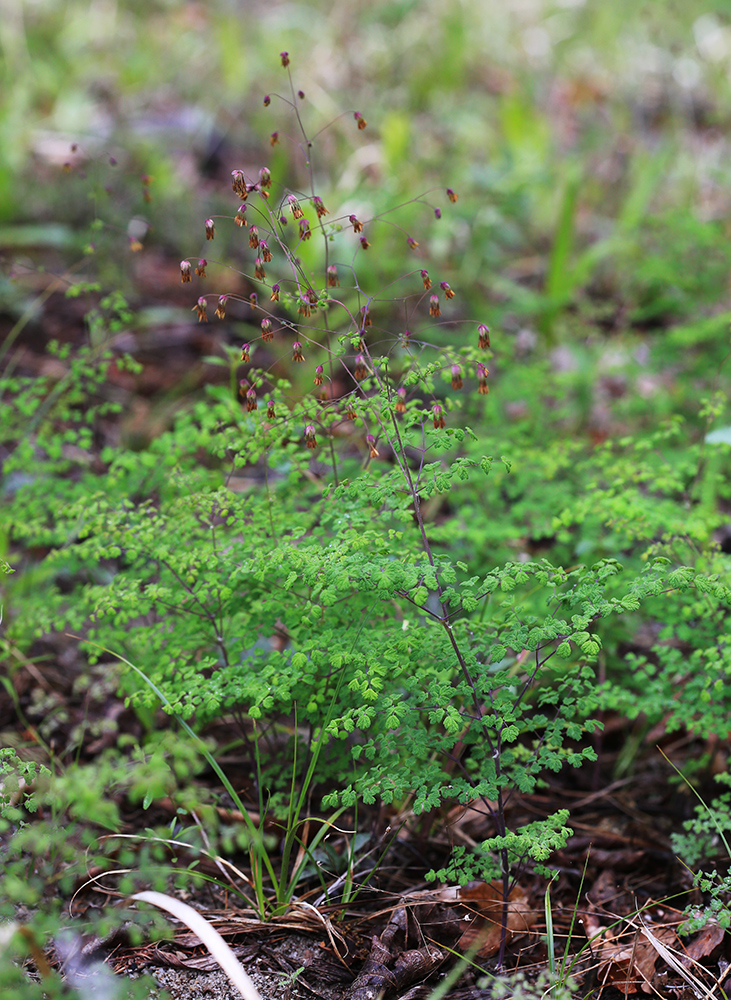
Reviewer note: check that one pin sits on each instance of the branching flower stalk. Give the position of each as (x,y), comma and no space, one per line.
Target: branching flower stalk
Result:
(393,436)
(391,430)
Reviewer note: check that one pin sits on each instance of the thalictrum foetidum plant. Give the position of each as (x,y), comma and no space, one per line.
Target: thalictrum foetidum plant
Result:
(281,555)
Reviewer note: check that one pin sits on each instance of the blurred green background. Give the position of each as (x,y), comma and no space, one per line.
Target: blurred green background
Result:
(588,140)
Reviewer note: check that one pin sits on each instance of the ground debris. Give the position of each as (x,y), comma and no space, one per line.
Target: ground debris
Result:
(389,973)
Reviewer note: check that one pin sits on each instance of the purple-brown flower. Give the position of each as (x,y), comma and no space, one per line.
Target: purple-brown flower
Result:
(294,205)
(238,183)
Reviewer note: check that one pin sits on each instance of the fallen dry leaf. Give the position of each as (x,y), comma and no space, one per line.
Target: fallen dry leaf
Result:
(708,939)
(629,963)
(481,925)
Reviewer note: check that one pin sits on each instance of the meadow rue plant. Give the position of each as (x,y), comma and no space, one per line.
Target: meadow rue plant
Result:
(333,594)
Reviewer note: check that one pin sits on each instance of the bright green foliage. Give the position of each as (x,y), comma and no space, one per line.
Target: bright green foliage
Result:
(47,859)
(718,910)
(705,834)
(440,679)
(536,840)
(705,839)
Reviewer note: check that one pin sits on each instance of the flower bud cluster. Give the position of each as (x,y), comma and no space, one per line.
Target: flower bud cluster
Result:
(267,237)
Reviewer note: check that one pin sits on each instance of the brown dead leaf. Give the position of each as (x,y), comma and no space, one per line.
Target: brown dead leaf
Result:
(621,860)
(708,939)
(481,924)
(593,928)
(629,963)
(605,891)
